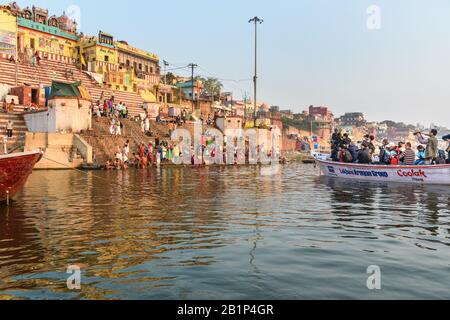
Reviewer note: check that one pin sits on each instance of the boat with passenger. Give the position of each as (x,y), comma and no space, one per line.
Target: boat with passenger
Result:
(425,174)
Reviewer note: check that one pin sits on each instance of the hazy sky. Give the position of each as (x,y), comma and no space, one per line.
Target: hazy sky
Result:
(312,52)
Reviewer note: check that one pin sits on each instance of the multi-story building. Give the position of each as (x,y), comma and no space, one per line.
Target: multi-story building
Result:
(29,31)
(187,88)
(144,64)
(322,119)
(274,109)
(320,113)
(353,119)
(114,64)
(120,66)
(287,114)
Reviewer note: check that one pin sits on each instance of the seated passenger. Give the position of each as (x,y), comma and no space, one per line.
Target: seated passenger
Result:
(11,106)
(409,156)
(384,153)
(421,156)
(447,139)
(345,155)
(364,154)
(394,155)
(353,149)
(441,157)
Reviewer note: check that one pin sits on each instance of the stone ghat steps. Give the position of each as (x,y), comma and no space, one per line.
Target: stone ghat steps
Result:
(105,145)
(29,75)
(20,129)
(48,71)
(133,100)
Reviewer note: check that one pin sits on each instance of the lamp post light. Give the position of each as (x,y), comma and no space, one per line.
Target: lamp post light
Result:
(166,64)
(256,21)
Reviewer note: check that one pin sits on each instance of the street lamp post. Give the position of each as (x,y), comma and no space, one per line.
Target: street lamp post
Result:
(166,64)
(193,66)
(256,21)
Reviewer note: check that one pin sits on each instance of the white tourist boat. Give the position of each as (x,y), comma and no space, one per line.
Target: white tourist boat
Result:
(320,156)
(436,174)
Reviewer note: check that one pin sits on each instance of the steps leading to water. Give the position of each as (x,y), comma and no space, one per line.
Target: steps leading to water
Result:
(47,71)
(19,130)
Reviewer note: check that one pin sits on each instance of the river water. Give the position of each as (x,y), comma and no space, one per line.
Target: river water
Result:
(223,233)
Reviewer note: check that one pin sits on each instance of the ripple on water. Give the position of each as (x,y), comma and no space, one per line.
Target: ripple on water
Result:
(228,233)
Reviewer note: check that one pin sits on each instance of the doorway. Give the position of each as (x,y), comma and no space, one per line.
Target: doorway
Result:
(35,96)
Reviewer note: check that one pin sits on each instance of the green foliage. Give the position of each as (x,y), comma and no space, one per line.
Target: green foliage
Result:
(170,78)
(212,86)
(299,124)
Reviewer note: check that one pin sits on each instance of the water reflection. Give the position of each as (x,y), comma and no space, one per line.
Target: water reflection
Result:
(222,232)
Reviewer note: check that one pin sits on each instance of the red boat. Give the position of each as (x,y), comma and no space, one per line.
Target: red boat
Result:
(15,169)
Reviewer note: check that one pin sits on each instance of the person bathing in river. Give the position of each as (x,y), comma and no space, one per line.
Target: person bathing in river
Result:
(109,165)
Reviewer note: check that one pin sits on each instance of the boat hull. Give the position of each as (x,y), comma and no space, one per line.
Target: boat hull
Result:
(14,172)
(436,174)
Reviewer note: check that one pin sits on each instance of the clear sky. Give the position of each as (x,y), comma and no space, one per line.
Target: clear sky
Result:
(312,52)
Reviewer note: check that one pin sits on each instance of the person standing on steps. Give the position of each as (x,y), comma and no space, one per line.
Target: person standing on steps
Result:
(9,128)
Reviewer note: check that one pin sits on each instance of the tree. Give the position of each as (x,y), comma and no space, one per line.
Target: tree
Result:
(170,78)
(213,86)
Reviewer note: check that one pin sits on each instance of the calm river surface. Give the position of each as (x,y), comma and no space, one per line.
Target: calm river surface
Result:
(223,233)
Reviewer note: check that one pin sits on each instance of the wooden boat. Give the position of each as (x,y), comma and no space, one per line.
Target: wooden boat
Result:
(15,169)
(435,174)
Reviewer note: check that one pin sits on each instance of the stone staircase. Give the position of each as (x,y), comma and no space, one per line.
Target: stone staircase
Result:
(47,71)
(17,142)
(105,145)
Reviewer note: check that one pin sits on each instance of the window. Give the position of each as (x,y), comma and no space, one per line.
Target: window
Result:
(146,69)
(32,43)
(128,63)
(140,66)
(106,58)
(151,69)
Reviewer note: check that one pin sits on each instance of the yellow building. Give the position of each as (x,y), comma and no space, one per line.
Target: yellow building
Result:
(117,65)
(8,33)
(32,31)
(100,56)
(121,66)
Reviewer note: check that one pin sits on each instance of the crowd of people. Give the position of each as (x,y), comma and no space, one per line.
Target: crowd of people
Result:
(369,151)
(109,109)
(164,152)
(152,154)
